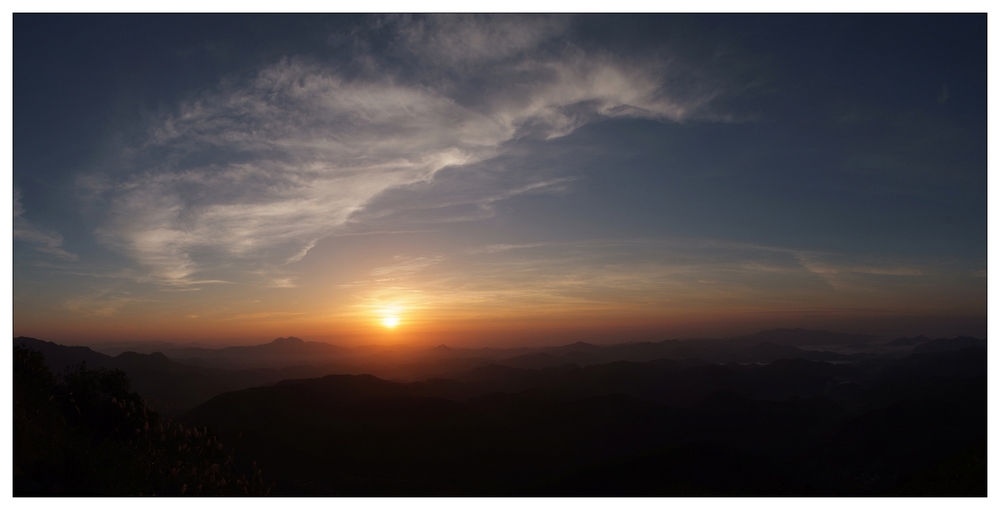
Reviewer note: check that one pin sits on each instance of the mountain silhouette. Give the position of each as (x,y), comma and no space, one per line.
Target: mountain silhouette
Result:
(804,337)
(767,418)
(949,344)
(173,386)
(790,427)
(404,362)
(909,341)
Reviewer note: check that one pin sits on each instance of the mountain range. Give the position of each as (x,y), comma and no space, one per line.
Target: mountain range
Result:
(784,412)
(182,377)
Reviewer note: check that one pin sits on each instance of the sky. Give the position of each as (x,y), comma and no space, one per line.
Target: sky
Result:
(497,180)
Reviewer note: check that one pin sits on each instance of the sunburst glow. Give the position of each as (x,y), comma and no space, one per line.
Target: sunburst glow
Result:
(390,322)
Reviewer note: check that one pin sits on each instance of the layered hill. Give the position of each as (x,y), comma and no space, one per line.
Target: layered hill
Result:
(663,427)
(182,377)
(173,387)
(418,362)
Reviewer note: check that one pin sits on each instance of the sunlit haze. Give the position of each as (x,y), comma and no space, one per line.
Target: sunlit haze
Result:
(497,180)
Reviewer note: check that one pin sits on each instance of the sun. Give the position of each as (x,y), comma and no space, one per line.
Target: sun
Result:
(389,315)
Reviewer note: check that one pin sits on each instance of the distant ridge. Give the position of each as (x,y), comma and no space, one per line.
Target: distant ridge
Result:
(177,387)
(909,341)
(295,356)
(950,344)
(292,340)
(806,337)
(444,349)
(59,357)
(279,353)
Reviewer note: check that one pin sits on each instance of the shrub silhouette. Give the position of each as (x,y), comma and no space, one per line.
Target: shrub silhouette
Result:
(86,433)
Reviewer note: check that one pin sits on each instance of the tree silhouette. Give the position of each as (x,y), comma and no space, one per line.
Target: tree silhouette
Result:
(86,432)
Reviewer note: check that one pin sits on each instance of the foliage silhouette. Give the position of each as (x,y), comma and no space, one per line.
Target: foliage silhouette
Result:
(86,433)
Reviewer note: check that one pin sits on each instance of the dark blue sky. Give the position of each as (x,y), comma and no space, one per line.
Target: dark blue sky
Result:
(197,176)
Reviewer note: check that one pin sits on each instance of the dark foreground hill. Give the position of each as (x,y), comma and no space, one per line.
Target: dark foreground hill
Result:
(791,427)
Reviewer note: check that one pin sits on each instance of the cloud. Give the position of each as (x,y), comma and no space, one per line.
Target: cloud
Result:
(653,278)
(260,316)
(47,242)
(476,39)
(596,276)
(456,194)
(404,267)
(283,283)
(497,248)
(101,302)
(822,265)
(255,172)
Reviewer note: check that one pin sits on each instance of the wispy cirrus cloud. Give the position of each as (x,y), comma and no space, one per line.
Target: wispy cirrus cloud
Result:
(104,301)
(644,277)
(256,171)
(475,40)
(42,241)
